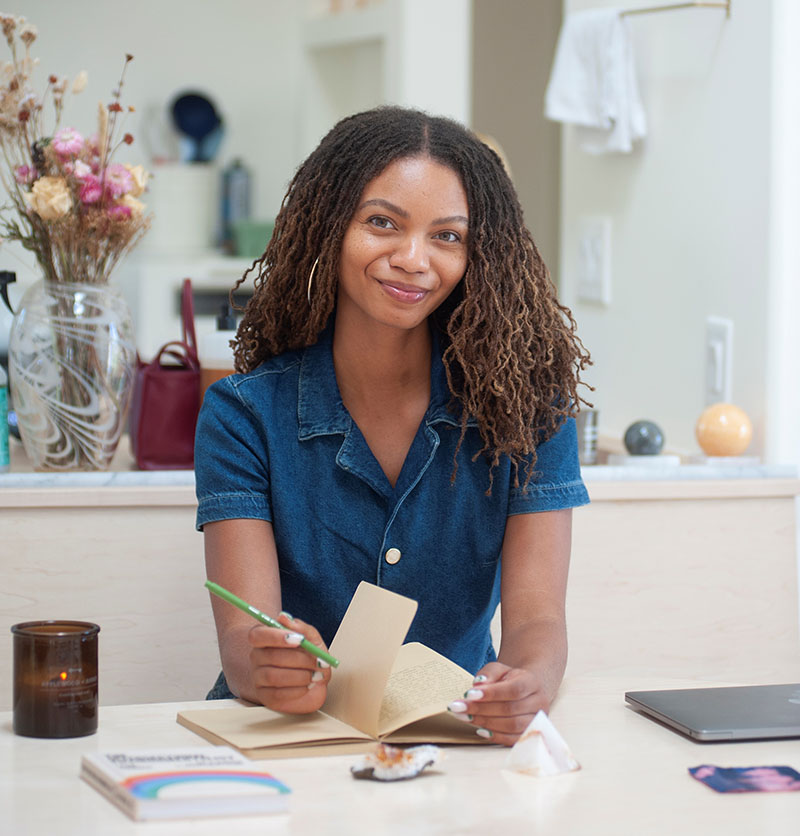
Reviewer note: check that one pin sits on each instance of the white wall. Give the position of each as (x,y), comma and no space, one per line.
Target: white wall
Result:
(691,210)
(519,45)
(783,371)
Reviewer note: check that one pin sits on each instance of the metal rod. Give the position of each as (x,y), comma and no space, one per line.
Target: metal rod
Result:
(724,4)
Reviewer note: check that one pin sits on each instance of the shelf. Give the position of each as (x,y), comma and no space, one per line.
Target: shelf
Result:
(347,28)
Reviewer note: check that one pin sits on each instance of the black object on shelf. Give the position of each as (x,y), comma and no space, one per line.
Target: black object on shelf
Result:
(198,121)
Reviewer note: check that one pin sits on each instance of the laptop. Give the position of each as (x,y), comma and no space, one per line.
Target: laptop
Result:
(749,712)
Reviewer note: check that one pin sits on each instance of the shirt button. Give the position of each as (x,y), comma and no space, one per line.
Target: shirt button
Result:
(393,556)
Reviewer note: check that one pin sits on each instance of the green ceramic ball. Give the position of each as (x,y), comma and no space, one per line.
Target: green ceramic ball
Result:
(644,438)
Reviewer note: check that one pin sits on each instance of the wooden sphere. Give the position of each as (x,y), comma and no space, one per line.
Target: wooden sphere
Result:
(723,430)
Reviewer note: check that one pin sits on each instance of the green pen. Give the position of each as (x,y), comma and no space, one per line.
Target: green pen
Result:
(270,622)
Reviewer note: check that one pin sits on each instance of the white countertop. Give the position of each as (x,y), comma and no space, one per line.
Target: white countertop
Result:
(633,780)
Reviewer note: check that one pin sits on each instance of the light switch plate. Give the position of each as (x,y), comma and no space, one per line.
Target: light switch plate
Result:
(718,360)
(594,259)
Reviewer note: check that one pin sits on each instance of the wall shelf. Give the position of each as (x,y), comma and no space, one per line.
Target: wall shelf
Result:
(401,52)
(346,28)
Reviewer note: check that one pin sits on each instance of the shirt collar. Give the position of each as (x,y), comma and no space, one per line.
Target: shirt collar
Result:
(320,410)
(319,406)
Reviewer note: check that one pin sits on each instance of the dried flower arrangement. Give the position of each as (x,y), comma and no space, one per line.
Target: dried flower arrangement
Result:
(74,208)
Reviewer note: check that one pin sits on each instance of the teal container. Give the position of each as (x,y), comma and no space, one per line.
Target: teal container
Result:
(251,237)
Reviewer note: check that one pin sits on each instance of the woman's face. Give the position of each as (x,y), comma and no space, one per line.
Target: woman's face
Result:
(405,249)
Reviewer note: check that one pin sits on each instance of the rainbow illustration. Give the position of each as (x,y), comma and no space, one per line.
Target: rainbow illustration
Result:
(152,784)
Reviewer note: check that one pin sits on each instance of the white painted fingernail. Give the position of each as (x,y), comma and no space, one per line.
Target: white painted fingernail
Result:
(484,733)
(473,694)
(288,615)
(321,663)
(457,707)
(467,718)
(480,678)
(294,639)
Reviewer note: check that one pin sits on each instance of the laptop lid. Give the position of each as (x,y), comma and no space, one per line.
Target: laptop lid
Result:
(748,712)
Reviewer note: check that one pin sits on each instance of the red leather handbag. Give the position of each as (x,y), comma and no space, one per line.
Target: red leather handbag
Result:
(166,400)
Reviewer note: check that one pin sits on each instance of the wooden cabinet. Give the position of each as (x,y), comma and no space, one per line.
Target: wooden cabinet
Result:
(689,579)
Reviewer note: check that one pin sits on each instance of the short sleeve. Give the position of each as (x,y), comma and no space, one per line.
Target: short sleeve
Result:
(556,482)
(230,459)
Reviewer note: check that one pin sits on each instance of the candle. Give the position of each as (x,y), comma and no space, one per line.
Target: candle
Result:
(55,678)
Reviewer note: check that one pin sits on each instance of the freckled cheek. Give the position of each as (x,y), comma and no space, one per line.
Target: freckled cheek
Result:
(359,254)
(455,271)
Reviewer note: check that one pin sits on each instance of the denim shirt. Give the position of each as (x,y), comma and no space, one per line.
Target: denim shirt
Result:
(278,444)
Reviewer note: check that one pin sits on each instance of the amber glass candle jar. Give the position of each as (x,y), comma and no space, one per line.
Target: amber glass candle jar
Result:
(55,678)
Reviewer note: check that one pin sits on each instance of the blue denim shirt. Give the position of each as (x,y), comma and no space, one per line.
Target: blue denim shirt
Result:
(278,444)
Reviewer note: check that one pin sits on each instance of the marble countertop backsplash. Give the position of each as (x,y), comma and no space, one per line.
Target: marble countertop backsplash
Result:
(723,469)
(124,474)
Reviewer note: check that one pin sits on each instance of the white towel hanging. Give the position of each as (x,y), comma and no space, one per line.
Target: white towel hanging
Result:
(593,82)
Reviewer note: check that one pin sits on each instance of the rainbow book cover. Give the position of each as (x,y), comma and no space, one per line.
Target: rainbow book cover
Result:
(195,781)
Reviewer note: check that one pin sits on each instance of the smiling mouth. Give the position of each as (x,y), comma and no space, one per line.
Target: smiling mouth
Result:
(403,293)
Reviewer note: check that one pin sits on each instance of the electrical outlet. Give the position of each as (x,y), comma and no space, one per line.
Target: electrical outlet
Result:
(719,360)
(594,259)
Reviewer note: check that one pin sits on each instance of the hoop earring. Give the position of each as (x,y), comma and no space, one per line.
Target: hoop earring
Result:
(311,279)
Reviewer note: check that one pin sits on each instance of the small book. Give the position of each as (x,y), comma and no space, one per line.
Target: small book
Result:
(190,782)
(383,690)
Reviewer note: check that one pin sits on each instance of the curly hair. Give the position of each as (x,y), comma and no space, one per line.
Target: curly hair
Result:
(510,349)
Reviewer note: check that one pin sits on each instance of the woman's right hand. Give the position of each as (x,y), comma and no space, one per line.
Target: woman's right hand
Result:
(284,676)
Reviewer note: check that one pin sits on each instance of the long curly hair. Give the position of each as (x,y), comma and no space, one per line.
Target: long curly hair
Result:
(511,351)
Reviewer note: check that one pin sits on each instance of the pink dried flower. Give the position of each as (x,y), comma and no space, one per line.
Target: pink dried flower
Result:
(119,211)
(81,171)
(25,174)
(118,180)
(91,190)
(67,143)
(76,211)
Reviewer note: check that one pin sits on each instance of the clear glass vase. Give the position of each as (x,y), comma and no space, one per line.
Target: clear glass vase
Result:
(72,365)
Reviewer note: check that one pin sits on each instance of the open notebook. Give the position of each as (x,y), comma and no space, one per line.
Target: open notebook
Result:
(382,690)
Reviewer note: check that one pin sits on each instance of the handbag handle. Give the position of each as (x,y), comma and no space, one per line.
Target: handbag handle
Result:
(187,320)
(182,352)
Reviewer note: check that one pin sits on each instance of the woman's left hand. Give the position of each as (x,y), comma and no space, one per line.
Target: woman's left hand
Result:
(502,702)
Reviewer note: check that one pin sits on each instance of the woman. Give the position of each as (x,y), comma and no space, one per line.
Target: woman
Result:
(402,416)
